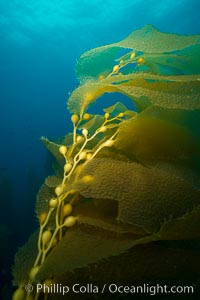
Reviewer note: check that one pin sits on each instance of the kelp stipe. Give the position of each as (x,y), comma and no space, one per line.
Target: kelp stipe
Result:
(122,179)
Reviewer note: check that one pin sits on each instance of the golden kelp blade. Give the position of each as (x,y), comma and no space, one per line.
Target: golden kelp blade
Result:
(150,79)
(150,137)
(147,196)
(147,40)
(108,244)
(144,89)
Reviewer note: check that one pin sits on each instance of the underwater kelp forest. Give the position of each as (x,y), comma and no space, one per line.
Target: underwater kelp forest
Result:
(123,204)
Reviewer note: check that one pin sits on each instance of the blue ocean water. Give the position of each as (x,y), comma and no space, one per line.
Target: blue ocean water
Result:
(40,42)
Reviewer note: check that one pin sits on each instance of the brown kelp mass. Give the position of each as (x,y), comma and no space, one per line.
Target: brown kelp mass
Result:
(124,203)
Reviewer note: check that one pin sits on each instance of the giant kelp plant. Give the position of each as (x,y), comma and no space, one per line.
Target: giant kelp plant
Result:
(127,183)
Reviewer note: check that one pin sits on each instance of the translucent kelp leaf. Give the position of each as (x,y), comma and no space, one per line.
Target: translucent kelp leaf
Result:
(113,125)
(116,109)
(66,255)
(169,91)
(67,140)
(147,39)
(182,228)
(53,181)
(189,119)
(102,213)
(53,148)
(180,92)
(185,61)
(188,172)
(130,113)
(58,167)
(88,124)
(99,223)
(95,245)
(170,54)
(148,137)
(172,263)
(44,195)
(85,95)
(147,196)
(102,63)
(92,124)
(24,260)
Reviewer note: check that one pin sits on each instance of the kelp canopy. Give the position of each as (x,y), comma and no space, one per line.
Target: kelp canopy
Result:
(126,179)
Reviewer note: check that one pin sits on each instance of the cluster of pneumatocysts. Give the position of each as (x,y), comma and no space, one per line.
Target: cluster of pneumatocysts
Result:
(130,58)
(61,206)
